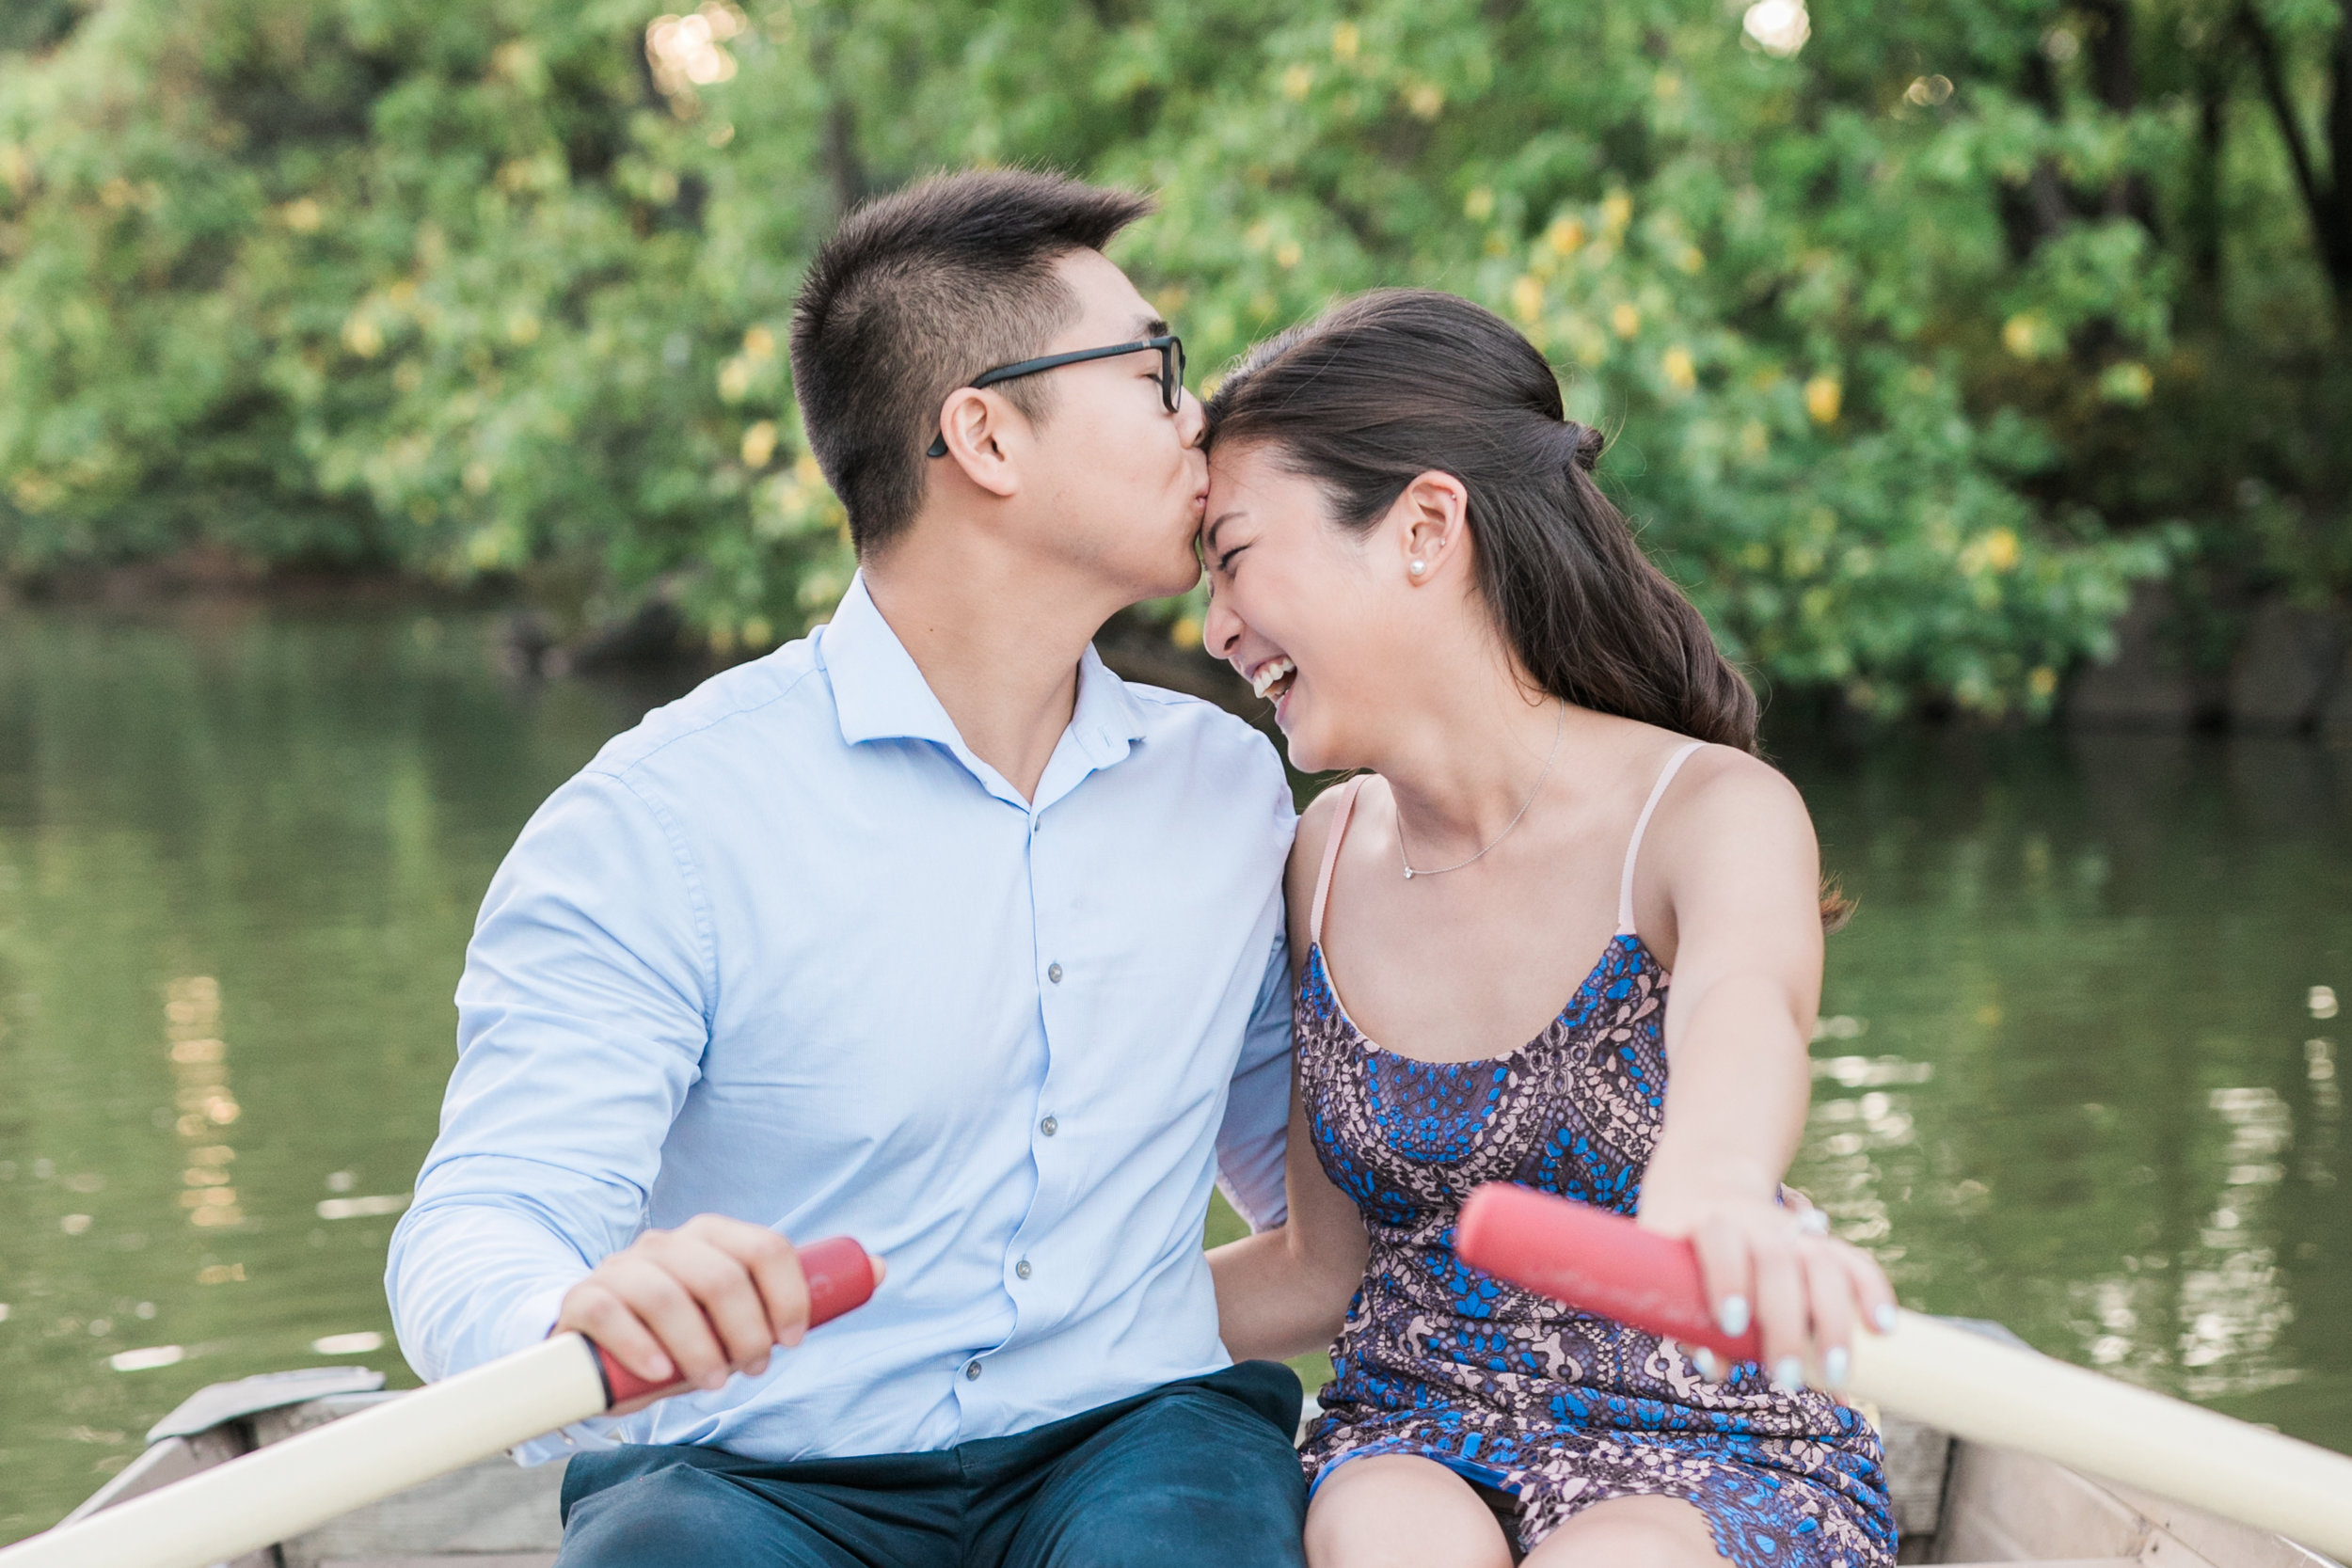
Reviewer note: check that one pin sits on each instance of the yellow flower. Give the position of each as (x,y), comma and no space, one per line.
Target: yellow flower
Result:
(2021,335)
(759,444)
(363,336)
(759,344)
(735,379)
(2042,682)
(1426,101)
(1346,38)
(1527,299)
(1287,255)
(1297,82)
(1616,211)
(2128,382)
(1625,319)
(2000,549)
(1824,395)
(1186,633)
(1681,373)
(1479,205)
(302,215)
(1565,235)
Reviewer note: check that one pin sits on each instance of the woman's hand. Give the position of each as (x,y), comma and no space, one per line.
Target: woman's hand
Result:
(1778,1267)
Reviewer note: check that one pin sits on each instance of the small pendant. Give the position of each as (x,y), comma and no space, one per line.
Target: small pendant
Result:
(1409,873)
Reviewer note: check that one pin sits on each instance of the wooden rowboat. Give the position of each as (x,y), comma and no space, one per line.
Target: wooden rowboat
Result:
(1955,1501)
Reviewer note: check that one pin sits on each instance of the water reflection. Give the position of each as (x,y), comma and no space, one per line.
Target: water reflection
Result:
(2097,1114)
(238,857)
(200,1071)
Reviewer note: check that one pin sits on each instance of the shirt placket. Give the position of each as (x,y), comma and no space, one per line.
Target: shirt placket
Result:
(1022,1265)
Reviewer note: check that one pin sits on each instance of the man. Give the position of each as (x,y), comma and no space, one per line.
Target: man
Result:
(928,930)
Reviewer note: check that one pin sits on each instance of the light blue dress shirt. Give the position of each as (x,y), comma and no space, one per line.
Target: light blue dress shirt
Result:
(788,951)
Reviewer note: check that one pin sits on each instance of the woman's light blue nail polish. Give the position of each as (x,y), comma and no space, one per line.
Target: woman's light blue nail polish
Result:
(1885,1318)
(1704,1361)
(1733,1315)
(1834,1367)
(1787,1373)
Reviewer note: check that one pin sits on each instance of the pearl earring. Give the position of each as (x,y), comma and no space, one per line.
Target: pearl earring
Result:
(1417,567)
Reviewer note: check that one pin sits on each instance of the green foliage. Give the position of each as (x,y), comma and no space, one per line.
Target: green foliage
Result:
(1918,346)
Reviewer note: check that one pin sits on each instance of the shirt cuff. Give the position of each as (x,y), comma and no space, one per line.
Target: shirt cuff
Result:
(532,1321)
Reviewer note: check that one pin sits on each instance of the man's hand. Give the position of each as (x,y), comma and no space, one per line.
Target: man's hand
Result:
(693,1304)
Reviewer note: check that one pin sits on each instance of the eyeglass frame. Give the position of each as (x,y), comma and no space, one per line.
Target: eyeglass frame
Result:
(1171,349)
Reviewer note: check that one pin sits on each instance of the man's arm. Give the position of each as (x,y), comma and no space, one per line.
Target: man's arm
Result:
(1250,1141)
(582,1018)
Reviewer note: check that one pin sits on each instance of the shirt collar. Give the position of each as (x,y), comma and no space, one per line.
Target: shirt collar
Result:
(879,692)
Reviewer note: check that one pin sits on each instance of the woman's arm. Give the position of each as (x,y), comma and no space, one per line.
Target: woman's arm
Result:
(1284,1292)
(1736,884)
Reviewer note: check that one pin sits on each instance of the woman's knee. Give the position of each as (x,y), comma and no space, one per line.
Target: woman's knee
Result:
(1631,1532)
(1404,1511)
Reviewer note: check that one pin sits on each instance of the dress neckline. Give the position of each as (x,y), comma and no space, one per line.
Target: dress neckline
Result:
(1628,941)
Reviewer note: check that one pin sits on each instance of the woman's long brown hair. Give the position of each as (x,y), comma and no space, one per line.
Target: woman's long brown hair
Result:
(1392,385)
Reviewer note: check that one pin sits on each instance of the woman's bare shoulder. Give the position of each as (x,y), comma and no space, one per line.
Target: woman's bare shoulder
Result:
(1306,862)
(1314,836)
(1728,807)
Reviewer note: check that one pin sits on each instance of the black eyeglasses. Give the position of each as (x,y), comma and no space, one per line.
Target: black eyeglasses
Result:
(1171,373)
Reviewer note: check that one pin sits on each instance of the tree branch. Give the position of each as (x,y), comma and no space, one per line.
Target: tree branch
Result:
(2339,150)
(2265,48)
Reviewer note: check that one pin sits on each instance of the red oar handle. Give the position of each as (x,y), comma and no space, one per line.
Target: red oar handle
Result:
(1596,1261)
(839,1275)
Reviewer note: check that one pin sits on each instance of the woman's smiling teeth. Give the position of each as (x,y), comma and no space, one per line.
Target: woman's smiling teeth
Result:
(1272,677)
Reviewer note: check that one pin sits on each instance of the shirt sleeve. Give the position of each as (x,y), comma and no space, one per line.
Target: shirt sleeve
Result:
(1249,1144)
(582,1018)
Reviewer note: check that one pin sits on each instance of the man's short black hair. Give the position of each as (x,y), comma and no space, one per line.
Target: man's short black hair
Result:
(918,293)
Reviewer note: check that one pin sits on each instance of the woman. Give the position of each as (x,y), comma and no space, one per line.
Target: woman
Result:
(1407,552)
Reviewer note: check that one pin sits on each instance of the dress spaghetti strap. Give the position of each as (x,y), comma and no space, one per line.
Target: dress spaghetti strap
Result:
(1331,856)
(1640,824)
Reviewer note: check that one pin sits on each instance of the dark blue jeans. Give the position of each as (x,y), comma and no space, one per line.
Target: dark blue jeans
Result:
(1189,1473)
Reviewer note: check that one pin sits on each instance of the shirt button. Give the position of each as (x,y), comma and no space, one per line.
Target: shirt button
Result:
(1053,973)
(971,1372)
(1049,1127)
(1021,1269)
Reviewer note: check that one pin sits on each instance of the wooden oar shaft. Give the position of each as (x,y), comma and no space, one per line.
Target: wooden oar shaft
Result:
(286,1488)
(302,1482)
(1967,1384)
(1979,1389)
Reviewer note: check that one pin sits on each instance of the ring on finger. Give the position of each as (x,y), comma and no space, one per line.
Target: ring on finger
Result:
(1809,1222)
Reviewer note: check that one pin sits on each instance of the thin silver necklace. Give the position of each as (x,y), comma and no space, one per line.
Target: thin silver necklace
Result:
(1559,725)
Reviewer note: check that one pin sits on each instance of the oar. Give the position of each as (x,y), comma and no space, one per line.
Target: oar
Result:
(288,1487)
(1965,1383)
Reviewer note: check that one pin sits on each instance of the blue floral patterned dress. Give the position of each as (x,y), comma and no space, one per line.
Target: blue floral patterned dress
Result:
(1560,1408)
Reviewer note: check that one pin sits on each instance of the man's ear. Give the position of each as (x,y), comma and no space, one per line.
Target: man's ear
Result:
(1431,521)
(971,422)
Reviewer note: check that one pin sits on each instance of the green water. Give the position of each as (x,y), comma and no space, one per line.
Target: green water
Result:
(2073,1079)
